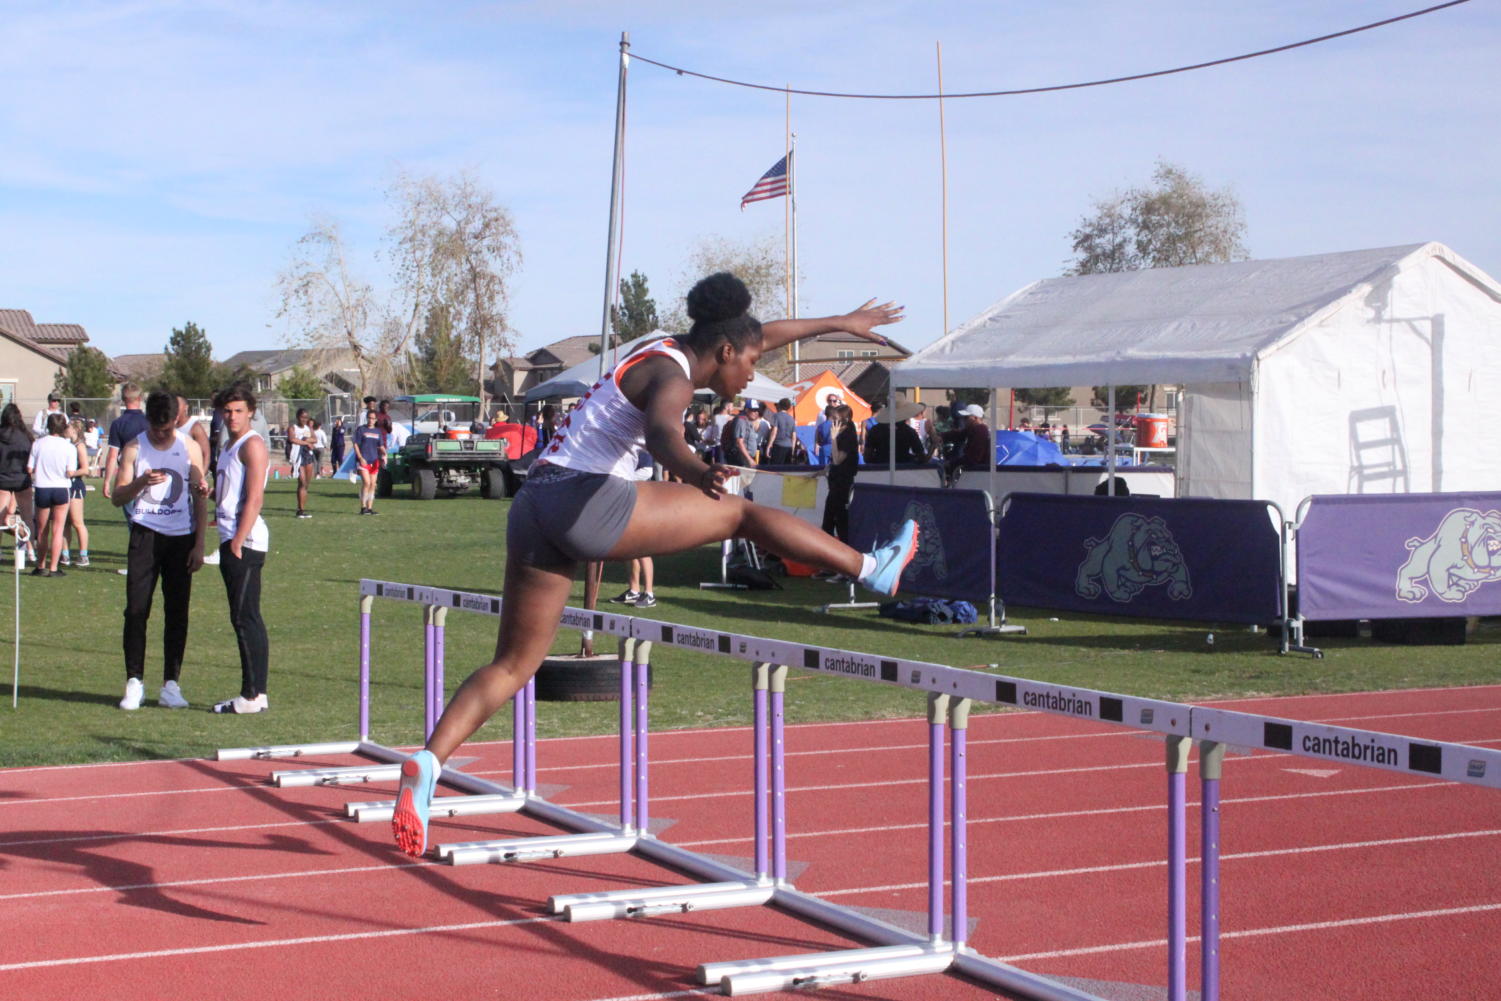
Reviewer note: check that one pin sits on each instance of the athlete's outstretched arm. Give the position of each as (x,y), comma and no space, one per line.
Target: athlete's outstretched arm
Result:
(859,322)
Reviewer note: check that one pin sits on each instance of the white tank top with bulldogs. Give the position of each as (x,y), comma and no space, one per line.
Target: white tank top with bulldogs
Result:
(606,433)
(166,507)
(230,497)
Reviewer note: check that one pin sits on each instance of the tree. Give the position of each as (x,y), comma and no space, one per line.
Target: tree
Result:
(456,246)
(300,384)
(1176,221)
(440,365)
(636,316)
(1050,396)
(189,368)
(86,378)
(330,309)
(761,264)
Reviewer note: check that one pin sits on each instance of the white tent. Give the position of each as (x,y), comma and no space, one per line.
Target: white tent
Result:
(1357,372)
(576,381)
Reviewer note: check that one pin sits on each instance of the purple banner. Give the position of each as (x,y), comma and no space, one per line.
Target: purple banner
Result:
(1398,556)
(955,551)
(1186,558)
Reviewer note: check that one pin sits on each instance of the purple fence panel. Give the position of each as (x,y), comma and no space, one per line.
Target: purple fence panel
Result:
(954,553)
(1395,556)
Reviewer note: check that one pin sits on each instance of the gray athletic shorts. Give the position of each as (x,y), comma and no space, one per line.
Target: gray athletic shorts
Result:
(564,516)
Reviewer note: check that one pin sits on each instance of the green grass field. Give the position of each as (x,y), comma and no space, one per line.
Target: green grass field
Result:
(72,671)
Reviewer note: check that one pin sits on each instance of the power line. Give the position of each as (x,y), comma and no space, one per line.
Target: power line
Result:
(680,71)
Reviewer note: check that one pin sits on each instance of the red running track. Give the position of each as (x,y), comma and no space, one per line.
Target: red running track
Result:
(185,879)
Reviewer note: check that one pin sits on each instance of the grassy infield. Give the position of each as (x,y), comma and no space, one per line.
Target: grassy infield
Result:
(72,672)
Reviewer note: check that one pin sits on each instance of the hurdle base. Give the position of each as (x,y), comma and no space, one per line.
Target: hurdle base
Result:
(824,969)
(537,849)
(353,775)
(442,806)
(639,903)
(1004,630)
(287,750)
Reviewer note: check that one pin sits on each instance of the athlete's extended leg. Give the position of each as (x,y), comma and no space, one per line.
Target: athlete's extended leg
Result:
(534,601)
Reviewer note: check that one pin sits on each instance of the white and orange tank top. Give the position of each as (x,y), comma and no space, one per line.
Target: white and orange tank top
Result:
(606,433)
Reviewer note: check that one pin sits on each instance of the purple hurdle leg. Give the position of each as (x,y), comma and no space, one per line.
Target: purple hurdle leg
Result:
(366,603)
(643,707)
(1211,765)
(531,735)
(440,691)
(958,825)
(938,709)
(627,681)
(1177,869)
(518,740)
(429,718)
(778,776)
(760,679)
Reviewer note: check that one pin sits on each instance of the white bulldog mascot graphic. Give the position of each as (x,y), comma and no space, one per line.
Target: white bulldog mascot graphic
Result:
(930,555)
(1462,554)
(1138,552)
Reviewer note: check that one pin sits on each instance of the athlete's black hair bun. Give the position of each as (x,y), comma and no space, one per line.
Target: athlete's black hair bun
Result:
(718,297)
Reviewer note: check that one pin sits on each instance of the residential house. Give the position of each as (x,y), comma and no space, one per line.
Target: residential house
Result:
(31,356)
(512,376)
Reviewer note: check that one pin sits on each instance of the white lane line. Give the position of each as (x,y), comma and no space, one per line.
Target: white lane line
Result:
(9,804)
(216,880)
(1443,912)
(1064,814)
(147,835)
(270,944)
(1162,863)
(695,993)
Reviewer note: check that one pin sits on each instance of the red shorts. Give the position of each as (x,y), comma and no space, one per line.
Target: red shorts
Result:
(372,468)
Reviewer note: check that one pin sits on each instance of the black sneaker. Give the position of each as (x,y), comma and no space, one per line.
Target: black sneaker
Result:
(646,600)
(626,597)
(40,572)
(303,514)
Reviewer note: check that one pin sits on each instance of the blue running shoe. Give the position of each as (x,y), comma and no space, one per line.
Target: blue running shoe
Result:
(891,559)
(419,777)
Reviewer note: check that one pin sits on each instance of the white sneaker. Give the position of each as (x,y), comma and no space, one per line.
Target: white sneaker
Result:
(212,559)
(239,705)
(171,696)
(135,690)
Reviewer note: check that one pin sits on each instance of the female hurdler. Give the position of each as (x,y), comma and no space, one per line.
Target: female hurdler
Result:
(582,502)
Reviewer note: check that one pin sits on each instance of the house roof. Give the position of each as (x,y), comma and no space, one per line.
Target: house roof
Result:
(569,352)
(272,361)
(138,367)
(31,345)
(1206,323)
(18,323)
(60,333)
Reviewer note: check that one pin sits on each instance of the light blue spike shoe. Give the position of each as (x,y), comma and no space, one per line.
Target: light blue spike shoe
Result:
(891,559)
(419,777)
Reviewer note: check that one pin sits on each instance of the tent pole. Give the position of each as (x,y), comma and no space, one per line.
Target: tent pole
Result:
(891,436)
(1110,437)
(990,456)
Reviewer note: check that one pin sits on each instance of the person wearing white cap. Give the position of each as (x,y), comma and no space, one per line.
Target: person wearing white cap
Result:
(972,437)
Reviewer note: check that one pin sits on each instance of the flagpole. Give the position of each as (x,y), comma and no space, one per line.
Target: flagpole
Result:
(612,263)
(790,232)
(943,159)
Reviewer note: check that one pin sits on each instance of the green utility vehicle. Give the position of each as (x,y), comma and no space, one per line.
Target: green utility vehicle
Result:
(442,454)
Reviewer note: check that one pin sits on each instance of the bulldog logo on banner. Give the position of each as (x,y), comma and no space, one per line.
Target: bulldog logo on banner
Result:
(929,555)
(1462,553)
(1137,553)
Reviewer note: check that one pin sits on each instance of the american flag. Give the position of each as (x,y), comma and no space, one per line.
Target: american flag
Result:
(773,184)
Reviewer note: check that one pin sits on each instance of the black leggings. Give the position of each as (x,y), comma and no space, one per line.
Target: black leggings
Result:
(836,507)
(154,555)
(242,583)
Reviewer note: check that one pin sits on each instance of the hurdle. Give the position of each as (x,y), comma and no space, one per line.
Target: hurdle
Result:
(887,950)
(1215,729)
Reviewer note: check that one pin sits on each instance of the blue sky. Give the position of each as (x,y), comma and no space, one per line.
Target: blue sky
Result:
(159,159)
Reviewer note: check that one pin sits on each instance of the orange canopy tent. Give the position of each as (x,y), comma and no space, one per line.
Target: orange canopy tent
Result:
(813,395)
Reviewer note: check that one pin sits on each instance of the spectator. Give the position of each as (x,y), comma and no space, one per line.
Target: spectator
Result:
(909,447)
(1064,445)
(52,465)
(300,444)
(845,460)
(970,442)
(320,445)
(243,543)
(15,481)
(823,436)
(123,429)
(77,491)
(693,430)
(740,441)
(369,444)
(763,433)
(547,424)
(783,434)
(336,444)
(158,483)
(383,416)
(39,423)
(91,445)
